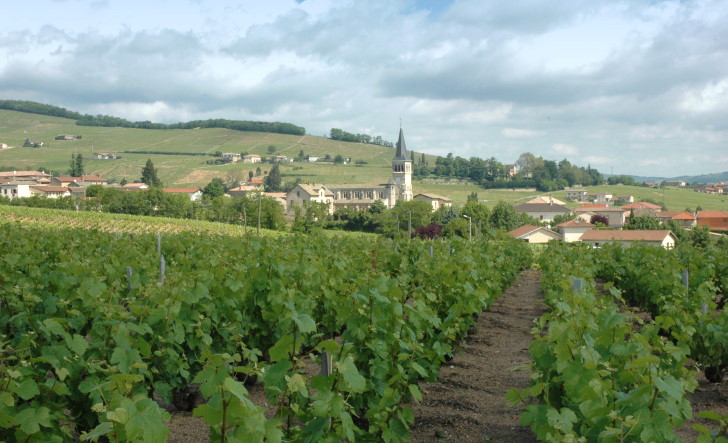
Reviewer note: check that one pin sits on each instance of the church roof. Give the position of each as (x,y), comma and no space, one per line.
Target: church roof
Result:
(401,153)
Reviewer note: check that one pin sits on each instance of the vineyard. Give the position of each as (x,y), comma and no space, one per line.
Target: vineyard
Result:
(624,328)
(105,324)
(97,326)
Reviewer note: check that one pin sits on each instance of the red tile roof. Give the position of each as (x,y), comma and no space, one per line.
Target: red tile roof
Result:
(593,205)
(626,235)
(575,223)
(182,190)
(712,214)
(637,205)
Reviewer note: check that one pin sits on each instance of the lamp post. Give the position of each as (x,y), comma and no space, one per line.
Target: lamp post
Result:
(470,227)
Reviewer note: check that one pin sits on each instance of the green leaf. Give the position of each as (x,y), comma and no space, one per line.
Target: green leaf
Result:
(282,349)
(77,344)
(305,323)
(53,326)
(94,434)
(416,393)
(27,389)
(353,381)
(148,423)
(31,419)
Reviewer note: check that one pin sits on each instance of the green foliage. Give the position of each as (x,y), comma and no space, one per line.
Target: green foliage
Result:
(76,168)
(149,175)
(643,222)
(216,188)
(338,134)
(273,179)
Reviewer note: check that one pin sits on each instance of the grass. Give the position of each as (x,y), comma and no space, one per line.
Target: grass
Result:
(181,171)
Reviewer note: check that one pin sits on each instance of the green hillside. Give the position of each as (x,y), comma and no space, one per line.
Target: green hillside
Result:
(180,170)
(191,170)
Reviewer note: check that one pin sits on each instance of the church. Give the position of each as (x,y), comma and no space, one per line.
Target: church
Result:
(399,187)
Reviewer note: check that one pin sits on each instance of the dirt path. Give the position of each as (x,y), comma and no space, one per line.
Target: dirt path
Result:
(467,403)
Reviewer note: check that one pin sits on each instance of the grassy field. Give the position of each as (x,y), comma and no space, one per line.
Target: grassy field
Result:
(184,170)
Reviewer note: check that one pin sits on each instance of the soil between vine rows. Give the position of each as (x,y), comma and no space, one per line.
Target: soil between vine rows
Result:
(467,403)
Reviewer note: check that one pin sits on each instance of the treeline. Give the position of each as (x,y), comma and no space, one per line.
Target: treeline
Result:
(194,154)
(110,121)
(236,125)
(341,135)
(532,172)
(38,108)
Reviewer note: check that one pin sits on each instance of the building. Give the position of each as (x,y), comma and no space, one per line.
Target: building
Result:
(535,234)
(572,230)
(434,200)
(598,238)
(23,175)
(104,156)
(398,188)
(231,157)
(194,194)
(543,211)
(88,179)
(251,158)
(51,191)
(616,217)
(576,194)
(714,220)
(676,183)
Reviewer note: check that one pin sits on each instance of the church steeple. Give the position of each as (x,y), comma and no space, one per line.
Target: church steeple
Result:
(401,153)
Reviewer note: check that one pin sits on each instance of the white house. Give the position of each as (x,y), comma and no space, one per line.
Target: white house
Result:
(598,238)
(51,191)
(616,217)
(251,158)
(434,200)
(194,194)
(576,194)
(313,192)
(535,234)
(572,230)
(543,211)
(17,189)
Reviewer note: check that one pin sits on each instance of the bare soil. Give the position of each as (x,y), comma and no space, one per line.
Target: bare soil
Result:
(467,403)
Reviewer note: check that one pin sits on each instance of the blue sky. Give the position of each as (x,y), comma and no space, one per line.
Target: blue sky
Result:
(634,87)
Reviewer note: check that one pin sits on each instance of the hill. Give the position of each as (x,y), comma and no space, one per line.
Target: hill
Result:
(190,169)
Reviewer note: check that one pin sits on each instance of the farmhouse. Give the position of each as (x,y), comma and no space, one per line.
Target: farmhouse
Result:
(68,137)
(231,157)
(543,211)
(616,217)
(309,192)
(598,238)
(576,194)
(51,191)
(104,156)
(251,158)
(535,234)
(88,179)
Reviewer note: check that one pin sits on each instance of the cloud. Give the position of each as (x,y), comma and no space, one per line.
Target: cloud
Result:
(562,148)
(521,133)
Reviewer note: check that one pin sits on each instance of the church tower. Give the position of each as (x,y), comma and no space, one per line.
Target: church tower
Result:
(402,170)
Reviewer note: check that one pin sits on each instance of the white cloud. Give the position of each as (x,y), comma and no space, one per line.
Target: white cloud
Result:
(521,133)
(563,148)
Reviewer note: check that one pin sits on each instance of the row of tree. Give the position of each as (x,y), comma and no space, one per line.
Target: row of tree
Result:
(532,171)
(341,135)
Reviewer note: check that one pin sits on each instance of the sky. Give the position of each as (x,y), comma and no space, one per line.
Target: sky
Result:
(628,87)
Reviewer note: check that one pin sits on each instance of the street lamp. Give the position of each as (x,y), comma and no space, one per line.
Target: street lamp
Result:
(470,227)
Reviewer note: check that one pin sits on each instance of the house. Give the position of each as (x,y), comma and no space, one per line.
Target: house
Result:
(104,156)
(281,159)
(23,175)
(572,230)
(535,234)
(231,157)
(29,144)
(576,194)
(194,194)
(616,217)
(4,146)
(436,201)
(511,170)
(133,187)
(627,198)
(88,179)
(547,199)
(17,189)
(51,191)
(684,218)
(304,192)
(243,190)
(676,183)
(280,197)
(714,220)
(597,238)
(603,197)
(543,211)
(251,158)
(68,137)
(313,158)
(714,190)
(639,205)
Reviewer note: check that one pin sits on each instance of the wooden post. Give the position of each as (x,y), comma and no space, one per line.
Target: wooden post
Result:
(128,277)
(162,269)
(326,364)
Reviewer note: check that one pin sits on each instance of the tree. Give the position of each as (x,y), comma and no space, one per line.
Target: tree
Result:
(76,166)
(597,219)
(271,149)
(216,188)
(643,222)
(149,175)
(251,174)
(258,171)
(273,180)
(123,181)
(504,217)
